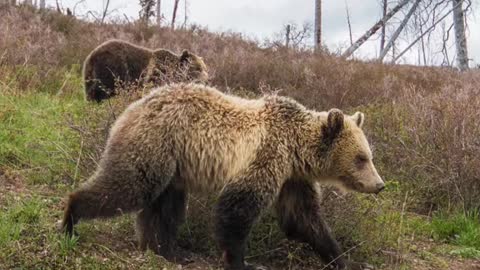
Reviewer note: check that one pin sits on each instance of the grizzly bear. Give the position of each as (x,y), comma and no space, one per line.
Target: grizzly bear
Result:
(117,61)
(255,153)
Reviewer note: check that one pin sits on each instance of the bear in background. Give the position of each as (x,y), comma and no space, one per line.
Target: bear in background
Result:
(256,153)
(117,61)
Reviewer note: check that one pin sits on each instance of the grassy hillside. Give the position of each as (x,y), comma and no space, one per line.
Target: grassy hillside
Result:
(422,122)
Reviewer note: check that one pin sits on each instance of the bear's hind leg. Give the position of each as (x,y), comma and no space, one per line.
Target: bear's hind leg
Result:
(298,211)
(158,221)
(107,195)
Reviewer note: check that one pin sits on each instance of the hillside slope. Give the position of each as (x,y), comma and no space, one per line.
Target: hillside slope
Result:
(423,123)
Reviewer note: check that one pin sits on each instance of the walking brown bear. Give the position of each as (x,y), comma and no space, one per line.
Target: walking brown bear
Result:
(190,137)
(120,61)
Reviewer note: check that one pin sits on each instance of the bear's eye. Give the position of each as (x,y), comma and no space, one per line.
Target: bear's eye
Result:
(361,160)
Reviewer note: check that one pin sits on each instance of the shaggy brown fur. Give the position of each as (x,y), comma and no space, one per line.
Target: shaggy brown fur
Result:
(255,152)
(117,61)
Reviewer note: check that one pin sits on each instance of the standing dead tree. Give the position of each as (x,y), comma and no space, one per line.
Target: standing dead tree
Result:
(460,38)
(318,24)
(185,13)
(374,29)
(384,13)
(436,21)
(419,24)
(348,23)
(105,11)
(298,35)
(159,13)
(429,13)
(399,30)
(146,11)
(174,15)
(293,36)
(287,35)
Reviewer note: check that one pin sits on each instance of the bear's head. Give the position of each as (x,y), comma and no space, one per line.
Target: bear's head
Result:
(195,67)
(349,160)
(170,67)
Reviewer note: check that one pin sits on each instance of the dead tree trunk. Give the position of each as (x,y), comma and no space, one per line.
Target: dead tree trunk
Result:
(382,38)
(349,24)
(421,23)
(159,13)
(42,4)
(395,58)
(374,29)
(174,16)
(399,30)
(460,39)
(318,24)
(105,11)
(185,14)
(287,35)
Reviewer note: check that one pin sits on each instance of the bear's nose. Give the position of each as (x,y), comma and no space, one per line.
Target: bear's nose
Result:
(380,187)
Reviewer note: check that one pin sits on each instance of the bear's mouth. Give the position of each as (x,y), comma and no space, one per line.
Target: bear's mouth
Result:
(350,183)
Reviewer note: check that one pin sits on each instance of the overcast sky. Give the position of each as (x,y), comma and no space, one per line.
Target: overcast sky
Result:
(260,19)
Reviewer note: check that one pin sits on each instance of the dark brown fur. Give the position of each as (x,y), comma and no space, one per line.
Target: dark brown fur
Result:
(298,211)
(115,63)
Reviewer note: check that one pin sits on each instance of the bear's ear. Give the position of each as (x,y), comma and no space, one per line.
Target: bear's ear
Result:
(358,118)
(185,56)
(334,122)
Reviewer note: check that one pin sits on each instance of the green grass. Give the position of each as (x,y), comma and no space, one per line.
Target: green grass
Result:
(35,138)
(16,219)
(38,144)
(461,229)
(67,244)
(466,252)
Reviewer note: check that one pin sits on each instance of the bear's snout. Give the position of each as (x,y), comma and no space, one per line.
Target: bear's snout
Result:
(380,187)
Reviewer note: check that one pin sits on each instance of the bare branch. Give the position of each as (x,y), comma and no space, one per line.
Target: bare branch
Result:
(348,22)
(105,11)
(399,30)
(76,4)
(432,27)
(374,29)
(445,38)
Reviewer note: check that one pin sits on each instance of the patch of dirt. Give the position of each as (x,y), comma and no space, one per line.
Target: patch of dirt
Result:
(11,181)
(427,256)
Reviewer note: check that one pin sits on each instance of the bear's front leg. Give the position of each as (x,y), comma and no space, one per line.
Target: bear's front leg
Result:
(237,209)
(299,214)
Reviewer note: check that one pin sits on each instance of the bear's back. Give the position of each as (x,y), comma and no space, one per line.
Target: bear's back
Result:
(212,135)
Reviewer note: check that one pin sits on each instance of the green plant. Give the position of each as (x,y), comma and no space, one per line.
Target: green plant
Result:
(459,228)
